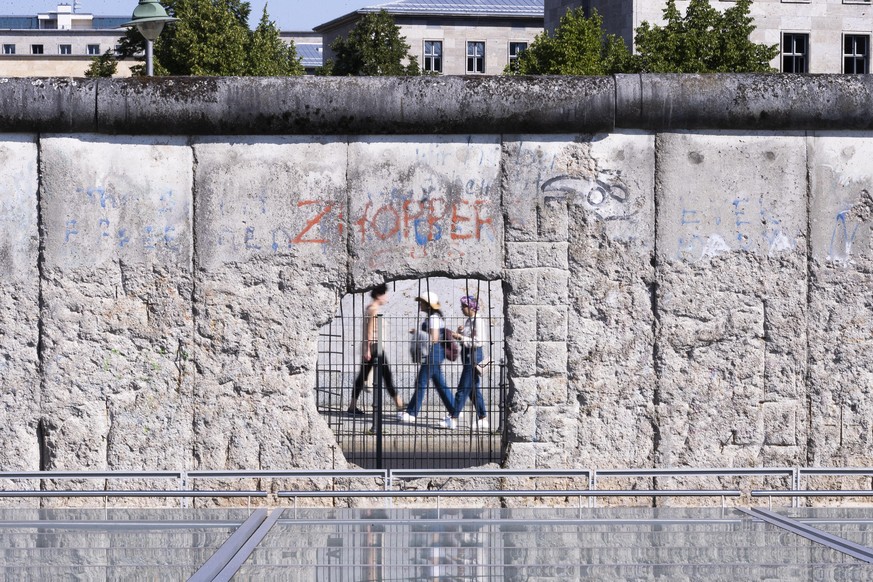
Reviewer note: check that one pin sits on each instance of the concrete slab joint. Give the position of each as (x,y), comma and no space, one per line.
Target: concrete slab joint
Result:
(690,290)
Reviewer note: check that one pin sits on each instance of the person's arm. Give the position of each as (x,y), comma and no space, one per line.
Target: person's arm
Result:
(369,334)
(476,337)
(435,329)
(468,327)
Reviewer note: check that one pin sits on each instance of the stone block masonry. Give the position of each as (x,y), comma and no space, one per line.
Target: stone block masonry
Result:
(686,261)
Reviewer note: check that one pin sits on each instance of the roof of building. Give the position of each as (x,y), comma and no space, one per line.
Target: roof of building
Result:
(18,22)
(479,8)
(32,22)
(462,7)
(310,55)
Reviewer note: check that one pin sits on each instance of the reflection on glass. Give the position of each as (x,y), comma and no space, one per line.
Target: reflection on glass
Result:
(524,544)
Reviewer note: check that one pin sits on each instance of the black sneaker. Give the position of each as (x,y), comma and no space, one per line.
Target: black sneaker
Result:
(355,411)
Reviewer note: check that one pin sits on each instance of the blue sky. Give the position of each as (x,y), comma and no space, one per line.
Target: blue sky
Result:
(288,14)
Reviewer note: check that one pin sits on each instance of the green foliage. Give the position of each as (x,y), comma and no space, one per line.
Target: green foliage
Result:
(103,66)
(373,47)
(212,38)
(578,47)
(704,40)
(269,55)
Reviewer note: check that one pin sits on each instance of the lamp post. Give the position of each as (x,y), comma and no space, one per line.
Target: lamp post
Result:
(149,17)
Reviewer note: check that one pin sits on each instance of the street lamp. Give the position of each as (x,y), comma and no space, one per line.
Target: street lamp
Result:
(149,17)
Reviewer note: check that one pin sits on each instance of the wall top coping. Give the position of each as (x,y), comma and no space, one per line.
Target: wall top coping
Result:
(435,105)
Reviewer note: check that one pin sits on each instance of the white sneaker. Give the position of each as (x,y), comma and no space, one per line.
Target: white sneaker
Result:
(480,367)
(449,423)
(482,424)
(405,417)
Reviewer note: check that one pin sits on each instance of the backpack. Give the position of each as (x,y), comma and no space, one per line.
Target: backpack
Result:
(451,346)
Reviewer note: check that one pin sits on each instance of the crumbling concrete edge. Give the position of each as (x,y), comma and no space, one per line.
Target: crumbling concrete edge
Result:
(435,105)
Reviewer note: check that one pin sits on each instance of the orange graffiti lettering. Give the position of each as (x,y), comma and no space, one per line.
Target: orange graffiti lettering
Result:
(479,220)
(456,219)
(313,222)
(395,228)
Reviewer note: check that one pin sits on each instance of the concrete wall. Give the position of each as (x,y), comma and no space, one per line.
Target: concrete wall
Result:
(686,261)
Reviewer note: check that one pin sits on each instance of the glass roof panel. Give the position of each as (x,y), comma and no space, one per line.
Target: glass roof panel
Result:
(852,523)
(361,544)
(111,544)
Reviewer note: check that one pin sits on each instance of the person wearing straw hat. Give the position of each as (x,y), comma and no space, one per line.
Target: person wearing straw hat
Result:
(433,325)
(470,337)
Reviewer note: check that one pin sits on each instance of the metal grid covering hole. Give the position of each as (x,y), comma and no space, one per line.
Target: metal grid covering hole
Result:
(376,438)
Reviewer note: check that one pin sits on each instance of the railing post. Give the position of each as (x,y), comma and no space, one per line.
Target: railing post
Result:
(592,501)
(795,501)
(183,486)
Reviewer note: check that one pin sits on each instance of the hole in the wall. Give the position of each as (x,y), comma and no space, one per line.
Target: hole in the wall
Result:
(375,436)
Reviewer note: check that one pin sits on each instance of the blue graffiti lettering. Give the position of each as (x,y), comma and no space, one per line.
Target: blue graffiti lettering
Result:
(70,231)
(123,239)
(250,236)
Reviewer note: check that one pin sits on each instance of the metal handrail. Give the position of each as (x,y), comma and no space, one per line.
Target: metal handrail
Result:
(685,472)
(520,493)
(91,474)
(418,473)
(290,474)
(438,494)
(588,487)
(813,493)
(131,493)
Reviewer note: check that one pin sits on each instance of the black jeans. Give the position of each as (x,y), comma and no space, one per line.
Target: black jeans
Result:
(387,381)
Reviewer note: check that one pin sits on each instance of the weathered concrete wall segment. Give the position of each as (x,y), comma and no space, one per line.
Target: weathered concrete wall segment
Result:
(673,297)
(436,105)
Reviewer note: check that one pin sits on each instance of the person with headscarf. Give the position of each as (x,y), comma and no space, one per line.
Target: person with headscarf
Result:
(470,337)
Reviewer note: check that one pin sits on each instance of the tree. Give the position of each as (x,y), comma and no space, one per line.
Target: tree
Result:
(269,55)
(703,41)
(578,47)
(212,37)
(373,47)
(105,65)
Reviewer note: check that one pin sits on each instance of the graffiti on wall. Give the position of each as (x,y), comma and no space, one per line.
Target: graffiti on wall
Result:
(109,218)
(847,227)
(605,196)
(744,223)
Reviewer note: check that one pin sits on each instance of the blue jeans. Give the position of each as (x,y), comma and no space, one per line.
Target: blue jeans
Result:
(431,370)
(470,380)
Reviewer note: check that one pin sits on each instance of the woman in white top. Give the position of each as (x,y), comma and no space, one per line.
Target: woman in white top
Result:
(431,362)
(470,337)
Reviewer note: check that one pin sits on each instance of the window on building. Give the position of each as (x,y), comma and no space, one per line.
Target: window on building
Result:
(515,49)
(8,49)
(433,56)
(856,54)
(93,49)
(476,57)
(795,52)
(36,49)
(65,49)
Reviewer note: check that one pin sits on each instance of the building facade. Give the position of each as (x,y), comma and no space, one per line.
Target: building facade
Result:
(60,43)
(474,37)
(308,46)
(814,36)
